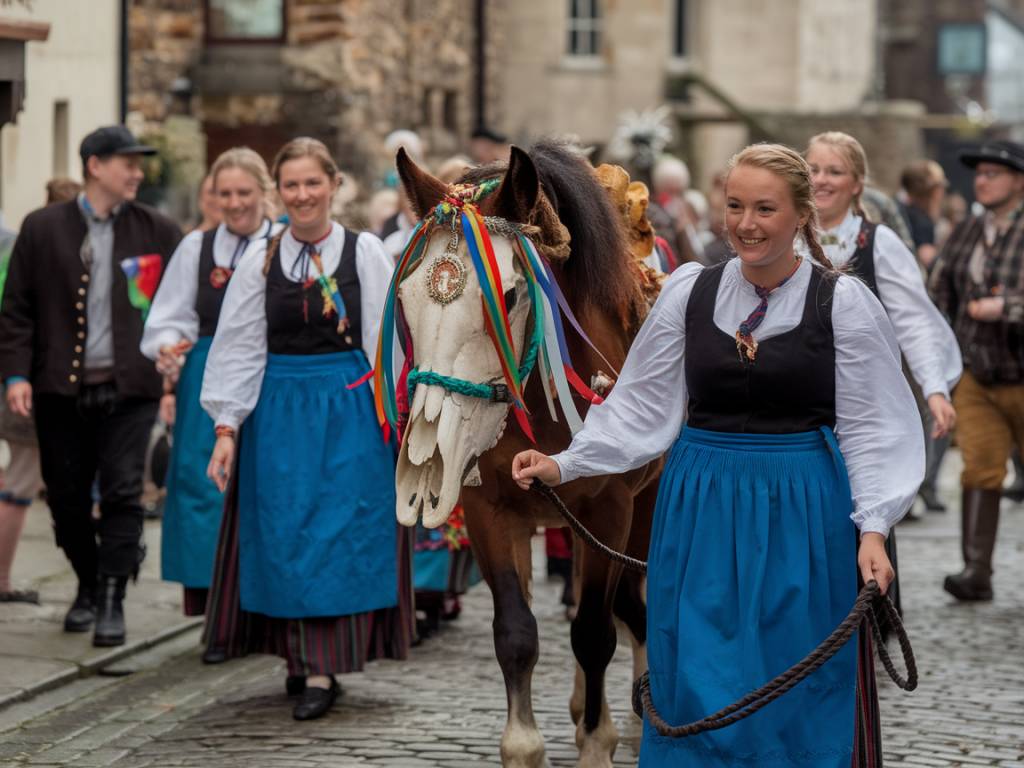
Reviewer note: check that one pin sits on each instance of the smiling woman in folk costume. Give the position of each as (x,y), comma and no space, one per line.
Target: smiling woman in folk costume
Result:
(306,565)
(877,255)
(179,330)
(792,418)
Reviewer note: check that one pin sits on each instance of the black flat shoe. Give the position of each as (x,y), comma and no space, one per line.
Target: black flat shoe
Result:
(214,656)
(295,685)
(931,500)
(316,702)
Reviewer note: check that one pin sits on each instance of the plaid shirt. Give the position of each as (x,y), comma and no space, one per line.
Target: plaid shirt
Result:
(972,266)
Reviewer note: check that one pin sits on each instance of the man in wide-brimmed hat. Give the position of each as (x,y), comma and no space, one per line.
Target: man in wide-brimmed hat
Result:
(978,281)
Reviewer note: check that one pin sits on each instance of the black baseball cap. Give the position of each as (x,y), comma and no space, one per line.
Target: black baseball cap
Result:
(1008,153)
(112,140)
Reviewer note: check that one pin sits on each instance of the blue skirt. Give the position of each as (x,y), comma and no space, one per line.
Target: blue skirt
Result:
(752,565)
(194,505)
(438,568)
(317,532)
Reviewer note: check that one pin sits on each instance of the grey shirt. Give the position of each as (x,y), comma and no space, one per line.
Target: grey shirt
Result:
(99,341)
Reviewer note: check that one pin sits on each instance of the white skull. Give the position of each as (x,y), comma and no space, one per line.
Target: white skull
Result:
(447,432)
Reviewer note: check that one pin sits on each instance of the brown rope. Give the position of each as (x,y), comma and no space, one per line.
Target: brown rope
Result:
(861,613)
(549,493)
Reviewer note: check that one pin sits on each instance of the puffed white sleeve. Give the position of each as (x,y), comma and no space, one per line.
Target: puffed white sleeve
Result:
(172,315)
(238,354)
(644,412)
(374,268)
(877,422)
(924,336)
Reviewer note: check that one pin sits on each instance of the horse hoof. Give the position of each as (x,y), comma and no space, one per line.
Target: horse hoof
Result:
(522,748)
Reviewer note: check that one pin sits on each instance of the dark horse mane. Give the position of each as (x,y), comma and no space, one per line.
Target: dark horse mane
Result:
(597,271)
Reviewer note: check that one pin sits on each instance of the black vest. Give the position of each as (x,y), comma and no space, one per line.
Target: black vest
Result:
(862,262)
(295,320)
(790,387)
(209,297)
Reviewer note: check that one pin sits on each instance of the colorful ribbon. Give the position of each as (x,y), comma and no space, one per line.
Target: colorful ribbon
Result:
(549,307)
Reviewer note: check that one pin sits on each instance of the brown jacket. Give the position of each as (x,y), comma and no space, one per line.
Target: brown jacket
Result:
(993,351)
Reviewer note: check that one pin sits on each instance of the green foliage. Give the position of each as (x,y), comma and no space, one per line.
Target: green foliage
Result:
(159,169)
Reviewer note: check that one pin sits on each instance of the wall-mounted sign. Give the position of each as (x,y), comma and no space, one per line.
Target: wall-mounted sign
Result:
(962,49)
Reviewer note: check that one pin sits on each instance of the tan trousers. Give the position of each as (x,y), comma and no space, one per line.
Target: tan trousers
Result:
(989,422)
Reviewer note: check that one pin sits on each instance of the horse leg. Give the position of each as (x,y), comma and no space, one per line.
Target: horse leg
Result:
(593,639)
(630,607)
(516,643)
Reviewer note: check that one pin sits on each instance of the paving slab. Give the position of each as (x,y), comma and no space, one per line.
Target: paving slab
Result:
(35,652)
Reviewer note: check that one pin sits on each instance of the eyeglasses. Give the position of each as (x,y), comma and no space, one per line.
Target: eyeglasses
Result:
(991,173)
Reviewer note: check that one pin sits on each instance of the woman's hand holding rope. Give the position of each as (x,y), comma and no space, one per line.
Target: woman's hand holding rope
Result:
(528,465)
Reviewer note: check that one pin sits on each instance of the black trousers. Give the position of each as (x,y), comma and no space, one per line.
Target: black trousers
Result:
(96,434)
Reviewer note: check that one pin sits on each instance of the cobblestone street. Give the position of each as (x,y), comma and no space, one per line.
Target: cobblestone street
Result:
(446,706)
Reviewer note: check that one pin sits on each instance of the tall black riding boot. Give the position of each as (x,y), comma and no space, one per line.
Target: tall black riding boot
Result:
(82,612)
(980,522)
(110,611)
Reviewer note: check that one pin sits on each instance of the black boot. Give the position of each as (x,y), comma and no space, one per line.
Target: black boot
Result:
(980,521)
(82,612)
(110,611)
(1015,490)
(931,499)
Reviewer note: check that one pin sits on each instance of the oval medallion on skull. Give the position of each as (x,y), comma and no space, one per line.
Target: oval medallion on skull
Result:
(446,279)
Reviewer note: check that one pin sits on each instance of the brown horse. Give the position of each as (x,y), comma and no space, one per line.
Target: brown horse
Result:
(453,439)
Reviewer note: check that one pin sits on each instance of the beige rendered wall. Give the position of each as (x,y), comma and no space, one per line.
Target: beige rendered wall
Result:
(547,92)
(780,56)
(77,64)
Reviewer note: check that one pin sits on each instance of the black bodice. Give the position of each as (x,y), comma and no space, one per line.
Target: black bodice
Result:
(296,324)
(790,386)
(209,297)
(862,262)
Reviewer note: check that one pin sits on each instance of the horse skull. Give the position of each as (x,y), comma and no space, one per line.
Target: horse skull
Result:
(447,431)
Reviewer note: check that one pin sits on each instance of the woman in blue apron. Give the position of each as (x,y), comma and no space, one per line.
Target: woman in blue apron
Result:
(792,430)
(310,564)
(178,333)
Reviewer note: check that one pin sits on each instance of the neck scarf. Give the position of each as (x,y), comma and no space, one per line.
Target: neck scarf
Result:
(746,346)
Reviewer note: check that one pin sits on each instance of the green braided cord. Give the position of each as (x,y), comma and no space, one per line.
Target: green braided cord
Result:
(461,386)
(468,388)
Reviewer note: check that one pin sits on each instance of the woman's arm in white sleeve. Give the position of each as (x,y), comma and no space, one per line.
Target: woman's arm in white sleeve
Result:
(172,316)
(374,268)
(924,336)
(877,422)
(238,355)
(644,413)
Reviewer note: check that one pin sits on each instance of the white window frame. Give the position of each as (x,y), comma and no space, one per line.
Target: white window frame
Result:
(587,24)
(680,61)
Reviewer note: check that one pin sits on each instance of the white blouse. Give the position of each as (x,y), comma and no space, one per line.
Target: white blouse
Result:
(925,338)
(238,355)
(877,423)
(173,316)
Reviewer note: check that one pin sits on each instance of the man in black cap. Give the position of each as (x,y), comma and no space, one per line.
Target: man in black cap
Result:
(78,286)
(978,282)
(488,146)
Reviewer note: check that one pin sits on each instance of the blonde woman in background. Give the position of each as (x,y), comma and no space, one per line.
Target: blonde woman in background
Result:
(178,334)
(879,257)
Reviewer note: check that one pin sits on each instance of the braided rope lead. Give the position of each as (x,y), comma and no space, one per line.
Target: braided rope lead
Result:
(580,530)
(862,611)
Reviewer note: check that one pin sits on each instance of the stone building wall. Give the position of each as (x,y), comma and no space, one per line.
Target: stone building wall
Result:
(349,72)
